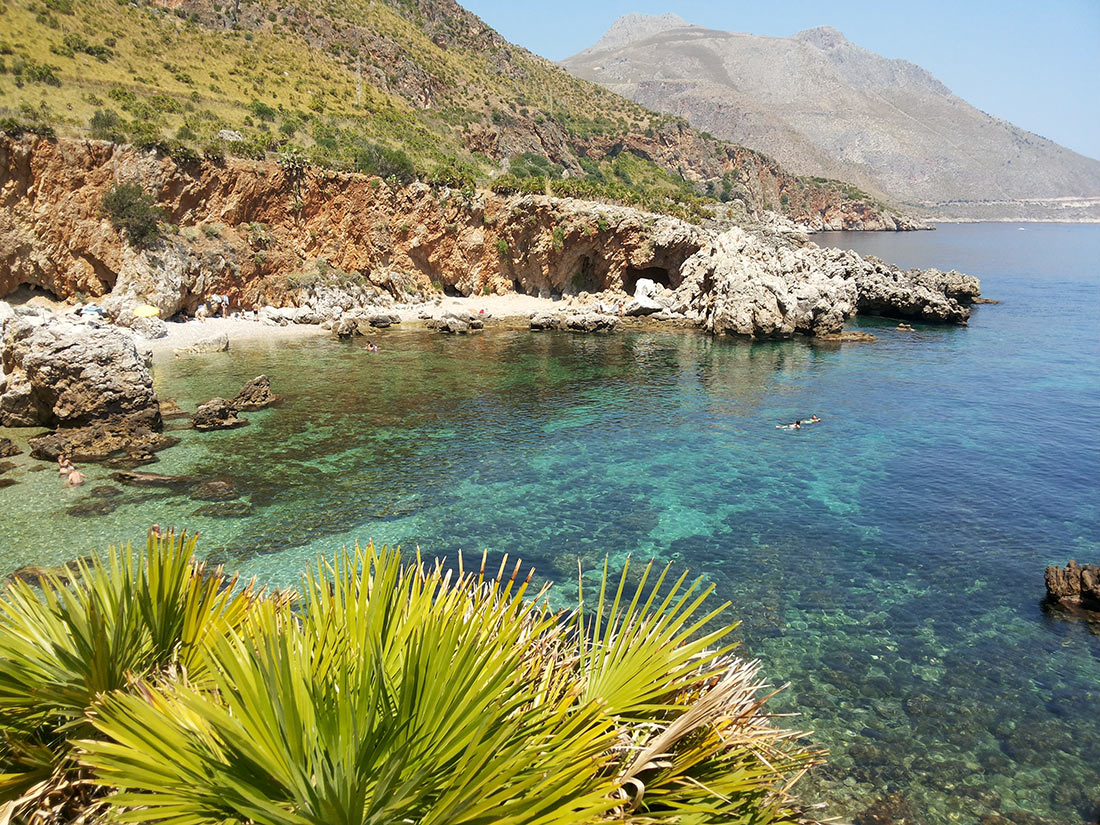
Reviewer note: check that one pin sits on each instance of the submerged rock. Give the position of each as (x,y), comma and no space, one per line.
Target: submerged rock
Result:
(255,395)
(217,414)
(102,442)
(215,491)
(92,507)
(139,479)
(8,448)
(7,482)
(1076,586)
(224,509)
(5,466)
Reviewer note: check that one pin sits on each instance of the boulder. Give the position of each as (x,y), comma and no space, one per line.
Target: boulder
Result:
(591,322)
(255,395)
(8,448)
(216,414)
(1076,586)
(149,328)
(645,288)
(213,343)
(90,384)
(346,327)
(544,321)
(5,466)
(382,320)
(66,374)
(642,306)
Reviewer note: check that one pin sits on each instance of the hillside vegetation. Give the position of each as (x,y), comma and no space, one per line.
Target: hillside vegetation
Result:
(401,89)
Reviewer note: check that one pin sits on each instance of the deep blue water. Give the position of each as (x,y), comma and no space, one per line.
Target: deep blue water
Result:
(887,562)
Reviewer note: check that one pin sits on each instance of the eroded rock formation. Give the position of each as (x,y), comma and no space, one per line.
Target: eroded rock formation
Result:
(340,249)
(1076,586)
(87,382)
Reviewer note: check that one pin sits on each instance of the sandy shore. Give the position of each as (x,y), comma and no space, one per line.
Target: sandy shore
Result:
(236,329)
(184,334)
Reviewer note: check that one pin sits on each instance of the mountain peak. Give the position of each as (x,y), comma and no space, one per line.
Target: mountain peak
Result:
(824,37)
(635,26)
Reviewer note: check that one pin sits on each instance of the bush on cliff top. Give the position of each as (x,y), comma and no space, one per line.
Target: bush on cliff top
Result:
(130,208)
(386,690)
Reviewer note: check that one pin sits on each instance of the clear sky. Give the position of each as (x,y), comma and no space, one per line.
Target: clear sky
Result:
(1035,63)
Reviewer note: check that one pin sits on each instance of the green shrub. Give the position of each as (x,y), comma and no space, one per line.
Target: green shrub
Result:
(261,110)
(131,209)
(105,124)
(502,247)
(391,164)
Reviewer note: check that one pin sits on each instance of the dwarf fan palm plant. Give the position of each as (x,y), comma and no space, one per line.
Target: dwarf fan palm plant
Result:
(70,640)
(400,692)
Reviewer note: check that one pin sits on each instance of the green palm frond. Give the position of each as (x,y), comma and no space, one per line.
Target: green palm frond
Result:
(110,621)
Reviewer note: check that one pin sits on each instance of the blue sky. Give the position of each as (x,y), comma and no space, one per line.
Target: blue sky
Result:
(1036,64)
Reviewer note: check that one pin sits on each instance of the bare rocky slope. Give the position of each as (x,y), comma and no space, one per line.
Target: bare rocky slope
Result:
(822,105)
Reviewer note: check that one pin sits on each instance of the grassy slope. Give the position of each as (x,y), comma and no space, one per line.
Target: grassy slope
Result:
(423,76)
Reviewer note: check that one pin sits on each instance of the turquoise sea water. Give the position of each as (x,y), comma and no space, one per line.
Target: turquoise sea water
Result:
(887,562)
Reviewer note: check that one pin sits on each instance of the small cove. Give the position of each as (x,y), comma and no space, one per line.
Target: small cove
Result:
(887,562)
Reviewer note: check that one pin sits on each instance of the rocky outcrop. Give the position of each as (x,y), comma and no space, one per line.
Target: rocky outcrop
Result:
(255,395)
(353,245)
(580,321)
(217,414)
(87,382)
(8,448)
(1076,586)
(745,284)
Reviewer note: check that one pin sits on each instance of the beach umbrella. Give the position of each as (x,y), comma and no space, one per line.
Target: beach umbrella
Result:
(146,311)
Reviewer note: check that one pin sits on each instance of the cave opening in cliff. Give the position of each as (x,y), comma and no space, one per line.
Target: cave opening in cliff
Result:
(657,274)
(26,292)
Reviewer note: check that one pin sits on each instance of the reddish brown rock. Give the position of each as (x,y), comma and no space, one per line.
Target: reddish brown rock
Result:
(1076,586)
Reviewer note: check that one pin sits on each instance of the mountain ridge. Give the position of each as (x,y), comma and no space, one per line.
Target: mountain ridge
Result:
(822,105)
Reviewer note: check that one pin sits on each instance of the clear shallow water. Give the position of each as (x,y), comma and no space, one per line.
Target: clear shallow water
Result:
(887,562)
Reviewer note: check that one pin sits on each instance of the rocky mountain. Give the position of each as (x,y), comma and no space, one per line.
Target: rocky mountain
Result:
(406,89)
(824,106)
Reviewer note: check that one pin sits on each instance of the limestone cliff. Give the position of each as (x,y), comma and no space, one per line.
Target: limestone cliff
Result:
(329,242)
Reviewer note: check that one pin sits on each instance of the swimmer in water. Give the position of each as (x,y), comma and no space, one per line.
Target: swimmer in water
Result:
(795,426)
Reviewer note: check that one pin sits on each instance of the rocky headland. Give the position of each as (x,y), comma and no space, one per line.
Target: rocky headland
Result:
(310,246)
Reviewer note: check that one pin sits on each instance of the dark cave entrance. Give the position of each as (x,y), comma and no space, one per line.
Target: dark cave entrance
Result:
(657,274)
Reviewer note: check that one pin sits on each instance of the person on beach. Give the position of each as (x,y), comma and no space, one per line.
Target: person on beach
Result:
(75,479)
(225,306)
(201,313)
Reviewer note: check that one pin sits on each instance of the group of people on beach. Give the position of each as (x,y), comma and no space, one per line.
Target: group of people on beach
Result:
(799,424)
(67,470)
(212,307)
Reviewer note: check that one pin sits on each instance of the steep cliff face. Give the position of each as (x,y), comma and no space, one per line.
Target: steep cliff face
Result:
(262,234)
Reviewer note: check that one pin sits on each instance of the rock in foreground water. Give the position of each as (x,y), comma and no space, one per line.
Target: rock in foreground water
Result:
(1075,586)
